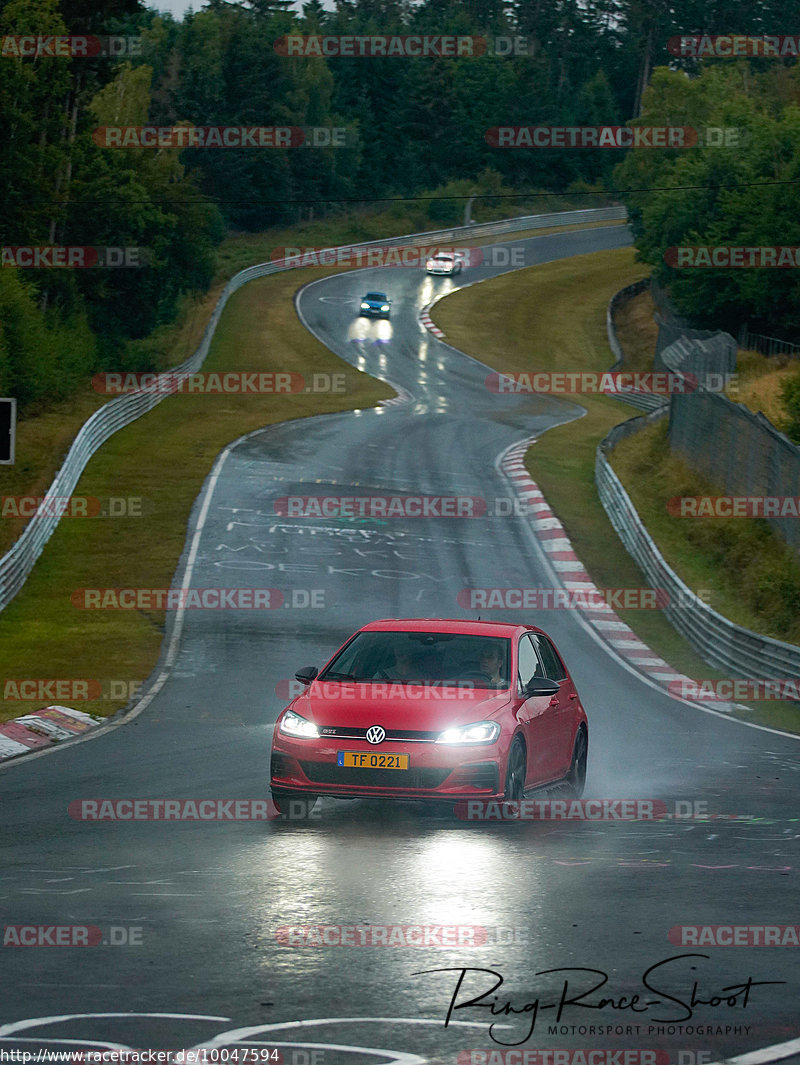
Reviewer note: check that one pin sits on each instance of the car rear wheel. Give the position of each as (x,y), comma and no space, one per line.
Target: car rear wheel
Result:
(295,804)
(576,778)
(515,773)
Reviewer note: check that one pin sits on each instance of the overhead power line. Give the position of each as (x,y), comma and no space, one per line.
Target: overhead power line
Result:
(417,199)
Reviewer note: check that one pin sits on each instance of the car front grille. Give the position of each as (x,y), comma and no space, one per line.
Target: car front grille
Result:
(416,779)
(345,732)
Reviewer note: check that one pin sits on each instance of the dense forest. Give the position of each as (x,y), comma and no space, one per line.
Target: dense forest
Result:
(415,128)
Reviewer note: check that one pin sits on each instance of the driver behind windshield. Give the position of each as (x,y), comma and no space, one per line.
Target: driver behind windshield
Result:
(491,662)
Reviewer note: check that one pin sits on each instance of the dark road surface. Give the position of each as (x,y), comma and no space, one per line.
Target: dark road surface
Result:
(204,901)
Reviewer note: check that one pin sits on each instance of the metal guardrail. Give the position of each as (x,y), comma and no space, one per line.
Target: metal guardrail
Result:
(767,345)
(17,563)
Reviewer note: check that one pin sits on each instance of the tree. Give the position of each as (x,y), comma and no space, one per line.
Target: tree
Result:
(764,167)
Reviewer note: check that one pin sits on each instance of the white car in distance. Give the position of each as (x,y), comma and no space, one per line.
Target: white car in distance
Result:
(443,263)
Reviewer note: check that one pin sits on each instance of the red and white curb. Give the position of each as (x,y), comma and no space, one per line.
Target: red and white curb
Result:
(424,315)
(42,729)
(573,576)
(428,322)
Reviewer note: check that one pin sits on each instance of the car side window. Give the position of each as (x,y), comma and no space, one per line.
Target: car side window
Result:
(552,663)
(529,664)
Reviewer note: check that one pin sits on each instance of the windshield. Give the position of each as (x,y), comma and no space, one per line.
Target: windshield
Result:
(439,658)
(377,297)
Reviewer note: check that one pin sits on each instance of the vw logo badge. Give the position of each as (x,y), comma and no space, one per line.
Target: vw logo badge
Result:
(376,734)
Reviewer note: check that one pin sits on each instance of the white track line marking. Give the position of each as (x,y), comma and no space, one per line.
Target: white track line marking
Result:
(33,1022)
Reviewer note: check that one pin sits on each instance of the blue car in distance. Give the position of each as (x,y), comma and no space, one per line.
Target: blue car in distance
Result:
(375,305)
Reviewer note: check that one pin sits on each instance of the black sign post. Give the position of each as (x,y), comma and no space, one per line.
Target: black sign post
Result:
(8,426)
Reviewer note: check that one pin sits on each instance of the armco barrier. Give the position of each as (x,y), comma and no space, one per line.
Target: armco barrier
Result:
(723,644)
(18,562)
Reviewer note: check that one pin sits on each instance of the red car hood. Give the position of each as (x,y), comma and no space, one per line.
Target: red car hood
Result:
(401,707)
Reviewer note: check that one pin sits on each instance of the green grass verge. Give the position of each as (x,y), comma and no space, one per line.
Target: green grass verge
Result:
(161,459)
(552,317)
(764,594)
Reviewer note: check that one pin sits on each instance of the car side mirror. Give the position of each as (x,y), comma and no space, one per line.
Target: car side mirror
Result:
(542,686)
(306,674)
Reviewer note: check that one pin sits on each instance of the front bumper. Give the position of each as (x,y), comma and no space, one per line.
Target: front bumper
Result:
(435,772)
(373,312)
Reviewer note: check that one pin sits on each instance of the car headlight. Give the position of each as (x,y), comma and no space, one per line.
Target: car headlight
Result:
(364,306)
(479,732)
(385,307)
(294,725)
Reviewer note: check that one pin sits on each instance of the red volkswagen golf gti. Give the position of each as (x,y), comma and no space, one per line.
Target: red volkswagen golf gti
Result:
(435,709)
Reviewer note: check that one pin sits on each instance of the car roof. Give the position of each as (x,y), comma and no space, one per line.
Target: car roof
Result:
(375,296)
(464,626)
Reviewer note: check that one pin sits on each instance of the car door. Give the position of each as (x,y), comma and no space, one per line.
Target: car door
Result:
(539,715)
(565,718)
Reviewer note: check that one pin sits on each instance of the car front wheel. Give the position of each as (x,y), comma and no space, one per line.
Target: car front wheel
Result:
(515,773)
(576,778)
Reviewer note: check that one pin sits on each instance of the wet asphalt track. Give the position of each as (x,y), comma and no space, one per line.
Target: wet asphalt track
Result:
(209,897)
